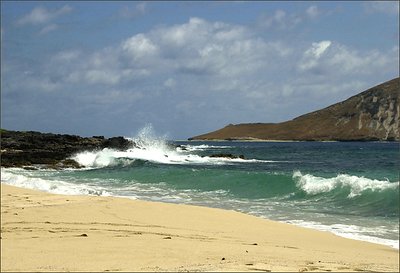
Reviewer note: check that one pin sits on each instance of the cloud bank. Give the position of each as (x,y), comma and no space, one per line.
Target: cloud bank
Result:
(199,74)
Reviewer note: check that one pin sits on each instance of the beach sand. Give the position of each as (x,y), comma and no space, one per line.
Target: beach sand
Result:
(48,232)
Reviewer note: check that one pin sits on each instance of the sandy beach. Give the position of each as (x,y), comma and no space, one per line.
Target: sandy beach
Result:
(48,232)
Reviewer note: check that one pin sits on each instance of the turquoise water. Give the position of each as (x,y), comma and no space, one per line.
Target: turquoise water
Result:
(350,189)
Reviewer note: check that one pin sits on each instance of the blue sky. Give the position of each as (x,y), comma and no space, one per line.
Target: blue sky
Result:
(111,68)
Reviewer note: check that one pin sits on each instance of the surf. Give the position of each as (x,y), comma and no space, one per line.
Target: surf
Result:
(149,147)
(326,186)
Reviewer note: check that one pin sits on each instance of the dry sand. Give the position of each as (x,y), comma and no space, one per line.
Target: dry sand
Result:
(47,232)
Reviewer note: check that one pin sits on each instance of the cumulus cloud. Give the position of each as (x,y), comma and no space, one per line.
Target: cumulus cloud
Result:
(313,54)
(227,72)
(198,47)
(40,15)
(337,59)
(217,49)
(139,46)
(212,56)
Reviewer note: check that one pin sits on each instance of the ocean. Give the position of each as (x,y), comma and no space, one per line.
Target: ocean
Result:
(348,188)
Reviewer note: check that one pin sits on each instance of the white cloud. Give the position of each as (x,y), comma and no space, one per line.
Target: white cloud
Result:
(170,83)
(279,19)
(312,55)
(36,83)
(114,96)
(102,77)
(134,12)
(48,29)
(66,56)
(212,56)
(318,49)
(40,15)
(139,46)
(386,7)
(313,11)
(336,59)
(179,36)
(352,61)
(283,20)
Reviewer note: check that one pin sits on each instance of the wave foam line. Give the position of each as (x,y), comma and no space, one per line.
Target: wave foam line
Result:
(357,185)
(48,185)
(348,231)
(202,147)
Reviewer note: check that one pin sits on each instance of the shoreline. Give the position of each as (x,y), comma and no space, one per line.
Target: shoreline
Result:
(50,233)
(390,241)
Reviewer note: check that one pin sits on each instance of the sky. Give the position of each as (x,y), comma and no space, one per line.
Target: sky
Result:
(187,68)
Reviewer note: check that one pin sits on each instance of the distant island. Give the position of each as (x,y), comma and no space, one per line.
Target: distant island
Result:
(372,115)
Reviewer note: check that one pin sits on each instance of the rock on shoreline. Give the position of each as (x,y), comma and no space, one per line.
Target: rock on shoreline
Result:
(23,149)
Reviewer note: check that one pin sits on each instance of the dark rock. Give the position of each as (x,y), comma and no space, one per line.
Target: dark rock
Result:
(231,156)
(118,143)
(183,148)
(19,149)
(70,163)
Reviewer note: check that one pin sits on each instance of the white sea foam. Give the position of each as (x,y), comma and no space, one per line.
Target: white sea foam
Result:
(108,157)
(357,185)
(154,149)
(202,147)
(350,231)
(14,177)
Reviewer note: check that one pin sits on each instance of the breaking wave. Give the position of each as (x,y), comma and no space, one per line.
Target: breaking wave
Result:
(24,179)
(354,185)
(149,147)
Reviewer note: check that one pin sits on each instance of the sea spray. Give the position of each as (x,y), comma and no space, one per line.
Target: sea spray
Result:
(149,147)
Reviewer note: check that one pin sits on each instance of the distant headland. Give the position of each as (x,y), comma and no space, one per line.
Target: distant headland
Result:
(372,115)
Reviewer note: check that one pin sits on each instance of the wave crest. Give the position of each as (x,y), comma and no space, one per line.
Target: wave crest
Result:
(314,185)
(149,147)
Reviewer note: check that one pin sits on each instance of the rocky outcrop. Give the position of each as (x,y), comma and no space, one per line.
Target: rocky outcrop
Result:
(21,149)
(371,115)
(229,156)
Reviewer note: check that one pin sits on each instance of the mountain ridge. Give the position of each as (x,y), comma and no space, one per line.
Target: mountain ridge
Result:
(372,115)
